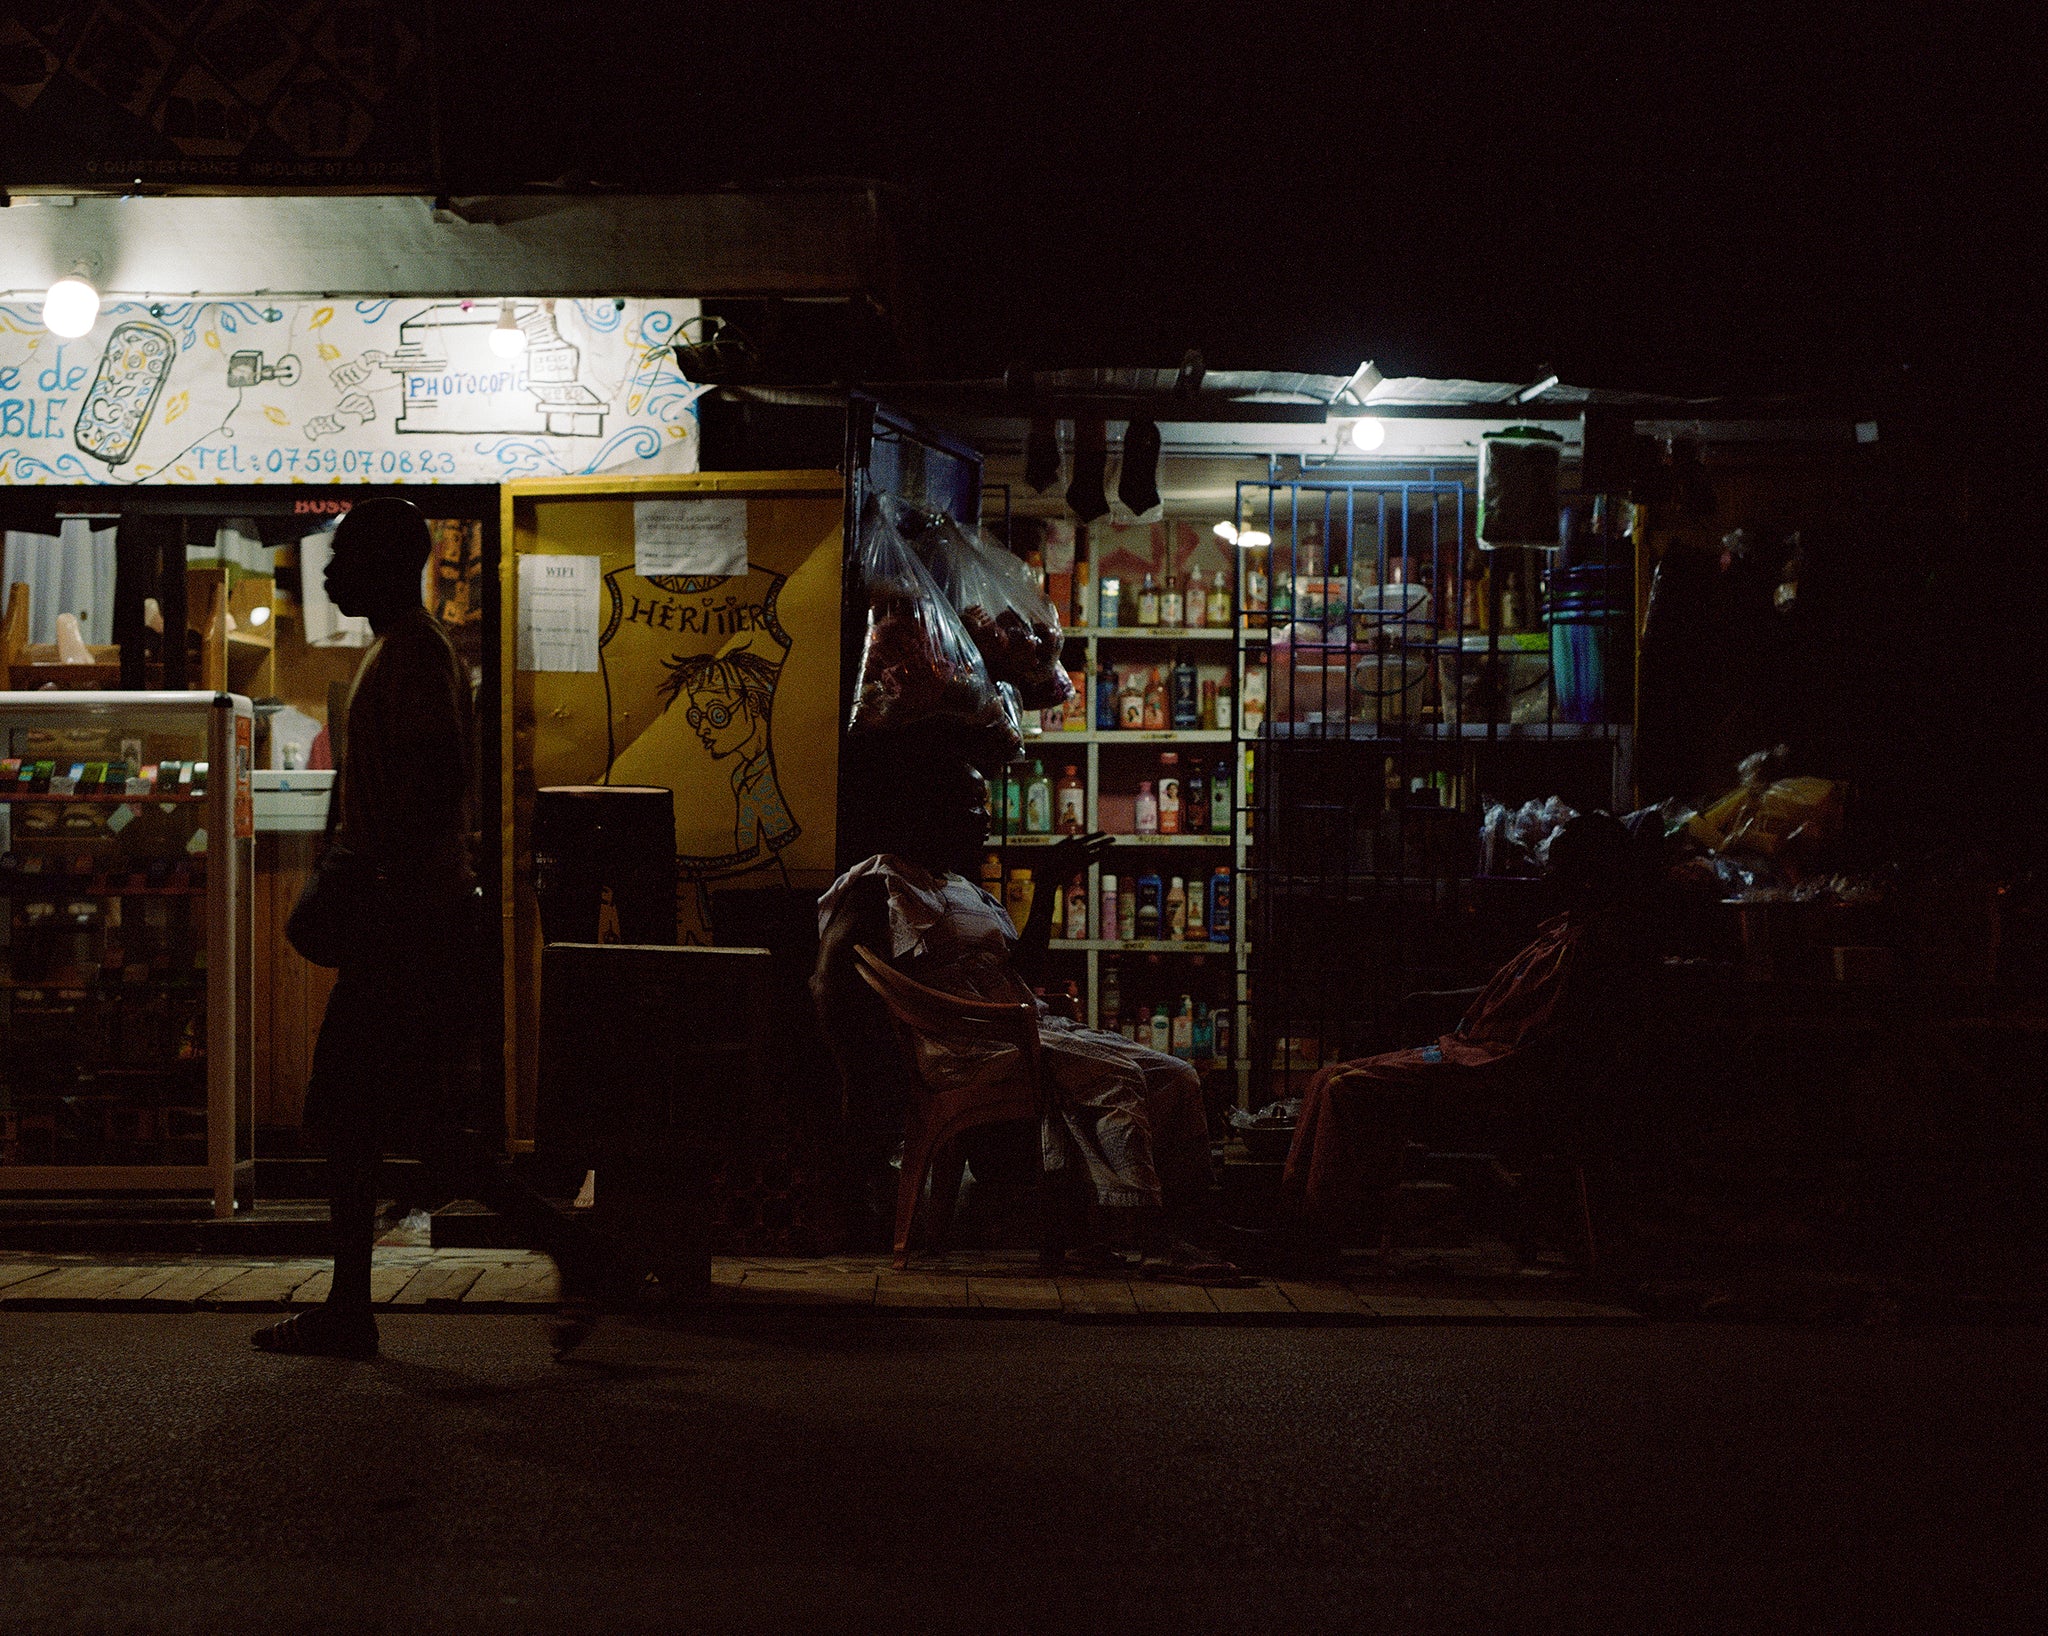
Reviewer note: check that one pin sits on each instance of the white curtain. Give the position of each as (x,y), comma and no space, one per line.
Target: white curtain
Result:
(71,572)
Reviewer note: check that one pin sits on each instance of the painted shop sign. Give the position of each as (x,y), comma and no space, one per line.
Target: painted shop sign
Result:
(388,391)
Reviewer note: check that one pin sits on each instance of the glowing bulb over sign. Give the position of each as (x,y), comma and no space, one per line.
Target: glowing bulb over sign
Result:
(71,307)
(1367,434)
(508,340)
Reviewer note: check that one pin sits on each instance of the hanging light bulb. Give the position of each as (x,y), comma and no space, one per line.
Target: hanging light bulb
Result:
(508,340)
(1226,531)
(1250,539)
(1368,433)
(71,305)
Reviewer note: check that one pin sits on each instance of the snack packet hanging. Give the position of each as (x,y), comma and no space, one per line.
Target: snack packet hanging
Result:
(1012,621)
(918,663)
(1767,814)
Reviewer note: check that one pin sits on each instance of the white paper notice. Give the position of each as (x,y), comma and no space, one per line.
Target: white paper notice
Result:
(699,537)
(558,612)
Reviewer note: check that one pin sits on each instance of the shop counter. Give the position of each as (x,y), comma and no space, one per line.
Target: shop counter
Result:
(289,994)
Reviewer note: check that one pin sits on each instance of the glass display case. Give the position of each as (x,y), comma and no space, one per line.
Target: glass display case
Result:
(125,836)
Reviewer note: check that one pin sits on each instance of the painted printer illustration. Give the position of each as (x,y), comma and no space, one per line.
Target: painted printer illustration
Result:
(453,382)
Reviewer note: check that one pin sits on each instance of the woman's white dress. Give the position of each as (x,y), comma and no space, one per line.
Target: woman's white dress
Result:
(1130,1116)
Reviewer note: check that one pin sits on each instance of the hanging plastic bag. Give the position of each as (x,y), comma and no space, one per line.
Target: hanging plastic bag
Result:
(1012,621)
(1516,841)
(918,663)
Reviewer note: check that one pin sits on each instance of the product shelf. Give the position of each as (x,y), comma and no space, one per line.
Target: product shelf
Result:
(107,1021)
(1100,751)
(1132,842)
(54,886)
(1154,633)
(1130,735)
(1468,732)
(47,799)
(1139,945)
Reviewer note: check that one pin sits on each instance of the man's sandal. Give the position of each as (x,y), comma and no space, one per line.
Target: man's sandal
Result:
(572,1323)
(317,1333)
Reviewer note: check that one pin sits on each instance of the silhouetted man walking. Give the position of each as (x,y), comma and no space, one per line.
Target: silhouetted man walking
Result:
(395,907)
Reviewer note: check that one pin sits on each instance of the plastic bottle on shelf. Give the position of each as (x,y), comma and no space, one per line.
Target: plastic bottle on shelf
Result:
(1077,911)
(1204,1046)
(1169,793)
(1194,800)
(1130,703)
(1174,923)
(1148,602)
(1109,999)
(1222,904)
(1209,704)
(1013,799)
(1155,702)
(1187,709)
(1219,601)
(1145,810)
(1127,910)
(1105,698)
(1109,604)
(1183,1029)
(1172,606)
(1254,699)
(1220,1028)
(1255,579)
(1197,601)
(1083,610)
(1071,802)
(1150,901)
(1162,1029)
(1017,896)
(1074,713)
(1219,800)
(1225,710)
(1110,917)
(992,874)
(1197,925)
(1038,801)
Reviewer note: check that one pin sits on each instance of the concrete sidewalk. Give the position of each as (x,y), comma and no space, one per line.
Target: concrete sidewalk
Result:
(487,1281)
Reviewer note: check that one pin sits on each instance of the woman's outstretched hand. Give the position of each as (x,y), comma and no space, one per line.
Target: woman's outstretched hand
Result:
(1066,860)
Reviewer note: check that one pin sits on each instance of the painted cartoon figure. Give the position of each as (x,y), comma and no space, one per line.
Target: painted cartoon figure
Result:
(730,700)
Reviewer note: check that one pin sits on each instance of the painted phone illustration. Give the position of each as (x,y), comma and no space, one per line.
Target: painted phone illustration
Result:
(132,373)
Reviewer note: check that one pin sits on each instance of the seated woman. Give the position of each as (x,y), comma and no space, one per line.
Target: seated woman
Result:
(1126,1127)
(1551,999)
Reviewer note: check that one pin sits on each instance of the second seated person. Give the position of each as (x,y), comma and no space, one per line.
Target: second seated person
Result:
(1126,1129)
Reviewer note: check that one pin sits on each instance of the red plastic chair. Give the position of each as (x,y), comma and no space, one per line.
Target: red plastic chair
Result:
(938,1116)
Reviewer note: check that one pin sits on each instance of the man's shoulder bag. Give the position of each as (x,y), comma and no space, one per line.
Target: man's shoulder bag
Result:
(337,918)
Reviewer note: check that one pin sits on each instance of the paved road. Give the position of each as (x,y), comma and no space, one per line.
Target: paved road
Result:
(822,1472)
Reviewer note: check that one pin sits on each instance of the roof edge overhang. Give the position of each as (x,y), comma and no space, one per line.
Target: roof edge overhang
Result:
(817,240)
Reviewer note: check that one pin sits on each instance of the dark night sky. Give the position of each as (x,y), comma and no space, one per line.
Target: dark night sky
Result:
(1802,203)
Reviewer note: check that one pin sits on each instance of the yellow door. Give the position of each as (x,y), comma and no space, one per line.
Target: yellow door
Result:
(720,686)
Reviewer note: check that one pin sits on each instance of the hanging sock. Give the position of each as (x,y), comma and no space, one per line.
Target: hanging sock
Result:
(1137,478)
(1085,496)
(1042,455)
